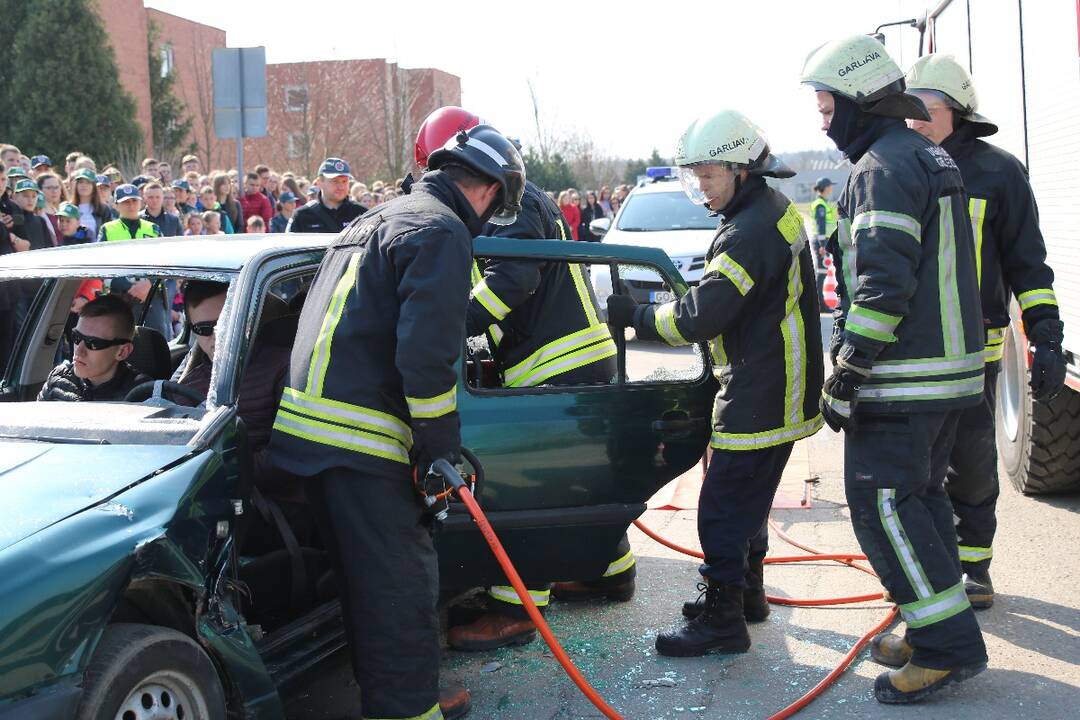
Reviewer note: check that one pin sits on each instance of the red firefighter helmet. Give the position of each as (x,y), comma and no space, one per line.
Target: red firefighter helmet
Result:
(438,128)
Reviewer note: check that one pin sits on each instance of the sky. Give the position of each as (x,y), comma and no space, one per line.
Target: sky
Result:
(630,75)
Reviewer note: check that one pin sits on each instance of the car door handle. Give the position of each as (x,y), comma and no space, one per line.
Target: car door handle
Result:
(677,423)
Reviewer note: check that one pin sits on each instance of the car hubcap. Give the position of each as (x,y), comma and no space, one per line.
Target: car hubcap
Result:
(1010,390)
(165,695)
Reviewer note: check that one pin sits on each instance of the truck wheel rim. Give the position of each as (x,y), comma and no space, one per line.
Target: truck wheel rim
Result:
(1011,390)
(165,695)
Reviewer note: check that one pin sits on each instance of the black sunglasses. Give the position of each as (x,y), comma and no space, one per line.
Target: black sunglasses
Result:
(95,343)
(204,328)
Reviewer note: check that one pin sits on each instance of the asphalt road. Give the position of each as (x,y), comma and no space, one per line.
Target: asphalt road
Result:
(1032,632)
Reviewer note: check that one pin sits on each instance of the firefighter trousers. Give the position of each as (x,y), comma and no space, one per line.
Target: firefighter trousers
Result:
(504,600)
(972,480)
(894,474)
(733,511)
(388,582)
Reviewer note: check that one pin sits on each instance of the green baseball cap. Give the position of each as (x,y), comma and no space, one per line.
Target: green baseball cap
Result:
(68,210)
(26,184)
(85,174)
(16,172)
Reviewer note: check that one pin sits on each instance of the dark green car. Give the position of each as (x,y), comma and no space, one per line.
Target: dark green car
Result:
(125,590)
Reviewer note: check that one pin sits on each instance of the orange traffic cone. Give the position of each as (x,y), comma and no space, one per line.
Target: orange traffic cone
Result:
(828,292)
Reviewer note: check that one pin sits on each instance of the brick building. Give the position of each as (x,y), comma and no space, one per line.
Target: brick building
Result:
(366,111)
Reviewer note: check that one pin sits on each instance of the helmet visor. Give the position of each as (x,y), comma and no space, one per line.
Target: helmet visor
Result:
(691,185)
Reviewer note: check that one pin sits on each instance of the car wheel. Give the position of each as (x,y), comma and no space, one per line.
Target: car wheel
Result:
(139,672)
(1039,441)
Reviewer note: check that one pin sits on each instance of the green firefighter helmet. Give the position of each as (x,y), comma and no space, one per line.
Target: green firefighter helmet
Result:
(859,68)
(726,138)
(944,76)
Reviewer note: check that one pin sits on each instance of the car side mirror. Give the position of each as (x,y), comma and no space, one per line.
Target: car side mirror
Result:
(600,226)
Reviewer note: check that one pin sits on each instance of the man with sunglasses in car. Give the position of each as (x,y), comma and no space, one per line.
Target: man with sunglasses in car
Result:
(102,343)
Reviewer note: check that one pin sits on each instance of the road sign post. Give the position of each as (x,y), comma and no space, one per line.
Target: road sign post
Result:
(239,96)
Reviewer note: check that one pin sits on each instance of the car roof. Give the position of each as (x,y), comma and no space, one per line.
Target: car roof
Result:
(200,252)
(660,186)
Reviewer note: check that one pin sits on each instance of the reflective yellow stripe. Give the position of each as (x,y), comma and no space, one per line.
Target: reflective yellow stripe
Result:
(337,436)
(790,224)
(342,413)
(583,295)
(320,353)
(974,554)
(621,565)
(491,302)
(1041,296)
(935,608)
(733,271)
(507,594)
(952,331)
(570,361)
(519,374)
(433,407)
(495,333)
(995,345)
(885,219)
(977,210)
(664,319)
(434,713)
(872,324)
(718,352)
(769,438)
(794,334)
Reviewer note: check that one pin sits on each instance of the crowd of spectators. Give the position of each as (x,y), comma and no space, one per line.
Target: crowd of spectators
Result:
(183,201)
(580,209)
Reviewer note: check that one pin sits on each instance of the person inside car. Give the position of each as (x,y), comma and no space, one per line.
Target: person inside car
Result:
(261,387)
(102,342)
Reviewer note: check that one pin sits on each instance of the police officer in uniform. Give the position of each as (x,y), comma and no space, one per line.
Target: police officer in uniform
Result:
(824,215)
(1011,261)
(755,306)
(373,391)
(543,328)
(332,209)
(907,350)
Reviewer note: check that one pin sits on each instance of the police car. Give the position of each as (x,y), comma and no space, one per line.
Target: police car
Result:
(657,213)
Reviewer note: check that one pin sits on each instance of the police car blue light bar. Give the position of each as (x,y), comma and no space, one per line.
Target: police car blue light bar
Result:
(660,172)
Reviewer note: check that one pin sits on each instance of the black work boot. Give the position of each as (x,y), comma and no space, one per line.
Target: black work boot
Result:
(755,603)
(977,585)
(720,626)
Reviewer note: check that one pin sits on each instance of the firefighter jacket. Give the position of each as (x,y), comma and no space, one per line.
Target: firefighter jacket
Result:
(906,277)
(377,349)
(315,217)
(540,316)
(756,306)
(1010,254)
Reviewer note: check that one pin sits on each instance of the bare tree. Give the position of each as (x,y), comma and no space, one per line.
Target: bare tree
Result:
(203,128)
(545,137)
(391,118)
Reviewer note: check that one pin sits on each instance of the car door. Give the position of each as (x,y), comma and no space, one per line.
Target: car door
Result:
(567,469)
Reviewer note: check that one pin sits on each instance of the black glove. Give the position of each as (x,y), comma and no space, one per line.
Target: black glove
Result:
(436,438)
(841,389)
(621,310)
(63,387)
(1048,363)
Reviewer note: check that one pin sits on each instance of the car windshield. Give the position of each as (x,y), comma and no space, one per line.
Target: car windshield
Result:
(68,357)
(659,211)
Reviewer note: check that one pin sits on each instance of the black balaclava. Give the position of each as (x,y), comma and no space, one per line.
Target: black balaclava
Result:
(854,130)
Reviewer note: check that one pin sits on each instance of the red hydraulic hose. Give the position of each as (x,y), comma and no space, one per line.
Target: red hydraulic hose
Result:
(837,671)
(530,606)
(815,554)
